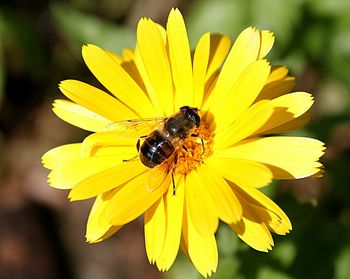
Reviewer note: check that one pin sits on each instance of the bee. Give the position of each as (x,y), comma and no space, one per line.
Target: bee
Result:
(159,149)
(164,141)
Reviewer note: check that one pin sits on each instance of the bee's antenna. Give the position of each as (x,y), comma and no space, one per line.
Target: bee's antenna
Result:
(132,158)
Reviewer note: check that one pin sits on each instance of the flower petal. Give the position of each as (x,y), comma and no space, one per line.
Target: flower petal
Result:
(155,228)
(267,41)
(151,47)
(174,205)
(96,100)
(287,157)
(200,64)
(253,232)
(155,99)
(240,171)
(106,180)
(274,222)
(277,73)
(243,52)
(133,199)
(219,48)
(109,72)
(109,140)
(264,208)
(287,108)
(291,125)
(120,59)
(67,175)
(202,215)
(277,84)
(202,250)
(96,229)
(180,59)
(112,230)
(61,155)
(247,124)
(223,200)
(241,95)
(277,88)
(80,116)
(128,63)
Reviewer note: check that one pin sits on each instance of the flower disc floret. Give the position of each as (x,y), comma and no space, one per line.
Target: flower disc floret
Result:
(197,148)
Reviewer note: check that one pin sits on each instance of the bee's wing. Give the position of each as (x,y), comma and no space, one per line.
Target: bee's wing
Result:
(136,127)
(157,177)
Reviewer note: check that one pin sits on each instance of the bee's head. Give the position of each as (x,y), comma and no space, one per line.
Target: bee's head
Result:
(192,114)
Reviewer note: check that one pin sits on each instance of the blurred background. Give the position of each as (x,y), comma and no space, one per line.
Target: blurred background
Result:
(42,234)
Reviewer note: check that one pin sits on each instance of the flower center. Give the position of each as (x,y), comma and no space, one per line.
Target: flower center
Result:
(197,147)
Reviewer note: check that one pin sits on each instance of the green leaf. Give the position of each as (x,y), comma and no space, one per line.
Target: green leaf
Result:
(79,28)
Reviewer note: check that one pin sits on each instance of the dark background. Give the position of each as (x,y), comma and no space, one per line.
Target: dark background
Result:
(42,234)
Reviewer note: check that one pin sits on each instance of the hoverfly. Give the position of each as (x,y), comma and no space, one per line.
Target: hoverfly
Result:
(159,149)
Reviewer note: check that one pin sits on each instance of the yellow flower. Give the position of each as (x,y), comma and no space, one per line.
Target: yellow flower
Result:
(218,171)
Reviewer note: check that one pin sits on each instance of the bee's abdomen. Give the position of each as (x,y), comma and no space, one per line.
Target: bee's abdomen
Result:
(155,150)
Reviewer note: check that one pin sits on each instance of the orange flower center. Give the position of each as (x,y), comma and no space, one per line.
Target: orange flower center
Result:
(196,149)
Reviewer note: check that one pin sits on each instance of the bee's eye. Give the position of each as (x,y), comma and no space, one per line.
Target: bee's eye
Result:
(185,109)
(191,114)
(196,119)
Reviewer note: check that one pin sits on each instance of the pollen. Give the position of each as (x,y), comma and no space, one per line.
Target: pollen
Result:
(197,147)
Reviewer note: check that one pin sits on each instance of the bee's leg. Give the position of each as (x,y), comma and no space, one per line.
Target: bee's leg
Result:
(203,146)
(197,136)
(185,148)
(174,187)
(172,175)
